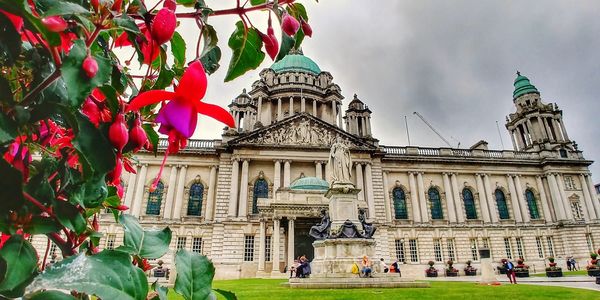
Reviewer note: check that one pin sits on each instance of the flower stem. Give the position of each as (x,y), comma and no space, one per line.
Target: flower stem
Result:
(46,83)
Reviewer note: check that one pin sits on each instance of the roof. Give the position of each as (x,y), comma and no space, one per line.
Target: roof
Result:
(296,62)
(310,183)
(523,86)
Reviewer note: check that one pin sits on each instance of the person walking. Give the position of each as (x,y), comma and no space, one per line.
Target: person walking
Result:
(510,270)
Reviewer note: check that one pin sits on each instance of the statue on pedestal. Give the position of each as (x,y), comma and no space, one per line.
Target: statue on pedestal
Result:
(348,230)
(368,228)
(340,162)
(321,230)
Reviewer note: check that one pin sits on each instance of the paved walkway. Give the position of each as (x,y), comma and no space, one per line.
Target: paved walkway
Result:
(581,282)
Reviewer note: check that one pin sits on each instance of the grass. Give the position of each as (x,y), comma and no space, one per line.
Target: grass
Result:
(271,289)
(565,273)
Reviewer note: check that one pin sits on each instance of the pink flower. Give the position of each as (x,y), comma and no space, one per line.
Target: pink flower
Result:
(306,28)
(163,26)
(55,23)
(178,118)
(289,25)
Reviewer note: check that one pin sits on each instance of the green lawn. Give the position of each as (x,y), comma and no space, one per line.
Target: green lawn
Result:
(567,273)
(271,289)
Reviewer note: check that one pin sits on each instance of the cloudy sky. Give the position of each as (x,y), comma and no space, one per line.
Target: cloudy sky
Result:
(452,61)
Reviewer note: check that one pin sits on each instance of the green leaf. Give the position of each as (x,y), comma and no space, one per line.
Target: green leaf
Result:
(187,3)
(228,295)
(299,37)
(210,39)
(162,291)
(42,225)
(146,243)
(11,186)
(165,77)
(178,49)
(247,53)
(107,275)
(80,86)
(69,216)
(194,275)
(210,61)
(95,151)
(8,129)
(257,2)
(298,11)
(6,95)
(152,136)
(287,43)
(60,8)
(21,265)
(10,44)
(34,23)
(49,295)
(126,23)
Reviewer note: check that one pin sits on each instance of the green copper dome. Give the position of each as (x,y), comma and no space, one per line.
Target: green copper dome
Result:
(296,62)
(523,86)
(310,183)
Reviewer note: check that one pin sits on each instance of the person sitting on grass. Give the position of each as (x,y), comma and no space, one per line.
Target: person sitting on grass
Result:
(366,269)
(303,270)
(294,267)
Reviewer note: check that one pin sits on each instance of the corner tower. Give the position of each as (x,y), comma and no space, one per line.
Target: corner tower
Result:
(358,118)
(536,126)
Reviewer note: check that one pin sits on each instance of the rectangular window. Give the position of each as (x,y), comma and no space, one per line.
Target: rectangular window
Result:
(53,249)
(181,242)
(451,253)
(268,248)
(437,250)
(414,251)
(197,245)
(520,251)
(400,251)
(474,250)
(550,242)
(540,246)
(110,241)
(590,242)
(249,248)
(508,248)
(486,243)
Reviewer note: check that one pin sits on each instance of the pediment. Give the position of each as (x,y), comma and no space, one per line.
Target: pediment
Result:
(300,130)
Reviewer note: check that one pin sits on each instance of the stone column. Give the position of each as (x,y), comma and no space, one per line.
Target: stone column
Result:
(520,139)
(261,246)
(514,199)
(360,181)
(414,197)
(558,130)
(556,198)
(522,201)
(233,192)
(212,189)
(243,205)
(386,198)
(456,194)
(482,199)
(315,107)
(333,112)
(370,195)
(548,131)
(563,130)
(136,207)
(180,192)
(422,199)
(279,112)
(259,110)
(291,106)
(544,199)
(563,195)
(277,176)
(490,199)
(290,244)
(130,191)
(340,122)
(275,246)
(452,211)
(512,139)
(302,104)
(269,114)
(318,170)
(170,192)
(595,203)
(286,174)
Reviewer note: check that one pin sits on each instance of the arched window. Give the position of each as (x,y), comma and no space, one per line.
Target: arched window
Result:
(532,204)
(436,204)
(400,204)
(154,200)
(501,202)
(195,200)
(261,190)
(469,204)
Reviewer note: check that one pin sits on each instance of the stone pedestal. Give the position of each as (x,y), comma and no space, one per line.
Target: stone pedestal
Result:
(334,257)
(487,272)
(343,204)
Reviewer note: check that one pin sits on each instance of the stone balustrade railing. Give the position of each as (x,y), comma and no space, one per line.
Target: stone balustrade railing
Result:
(192,145)
(398,151)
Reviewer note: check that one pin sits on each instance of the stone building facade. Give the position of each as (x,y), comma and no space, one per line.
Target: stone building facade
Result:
(239,200)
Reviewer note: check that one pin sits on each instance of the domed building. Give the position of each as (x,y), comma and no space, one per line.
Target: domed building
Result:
(248,200)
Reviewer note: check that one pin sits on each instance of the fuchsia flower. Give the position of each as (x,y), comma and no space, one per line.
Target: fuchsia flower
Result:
(18,156)
(178,117)
(290,25)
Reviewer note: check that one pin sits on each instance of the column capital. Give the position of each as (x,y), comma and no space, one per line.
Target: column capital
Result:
(214,166)
(291,218)
(288,161)
(276,218)
(277,161)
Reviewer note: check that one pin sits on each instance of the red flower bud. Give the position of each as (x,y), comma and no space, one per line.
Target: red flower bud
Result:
(120,191)
(117,5)
(271,43)
(95,4)
(117,133)
(91,110)
(170,4)
(137,136)
(164,25)
(114,176)
(90,67)
(95,225)
(55,23)
(122,207)
(289,25)
(306,29)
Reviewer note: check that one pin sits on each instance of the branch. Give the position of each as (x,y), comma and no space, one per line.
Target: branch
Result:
(65,247)
(233,11)
(47,82)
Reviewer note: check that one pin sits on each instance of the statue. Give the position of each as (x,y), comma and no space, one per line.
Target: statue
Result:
(321,230)
(340,162)
(348,230)
(368,228)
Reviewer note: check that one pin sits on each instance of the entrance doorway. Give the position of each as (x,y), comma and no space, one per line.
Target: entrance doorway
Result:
(302,240)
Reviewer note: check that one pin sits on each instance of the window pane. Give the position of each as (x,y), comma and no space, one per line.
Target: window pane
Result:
(501,202)
(195,200)
(533,209)
(400,204)
(436,204)
(249,248)
(261,190)
(469,204)
(154,200)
